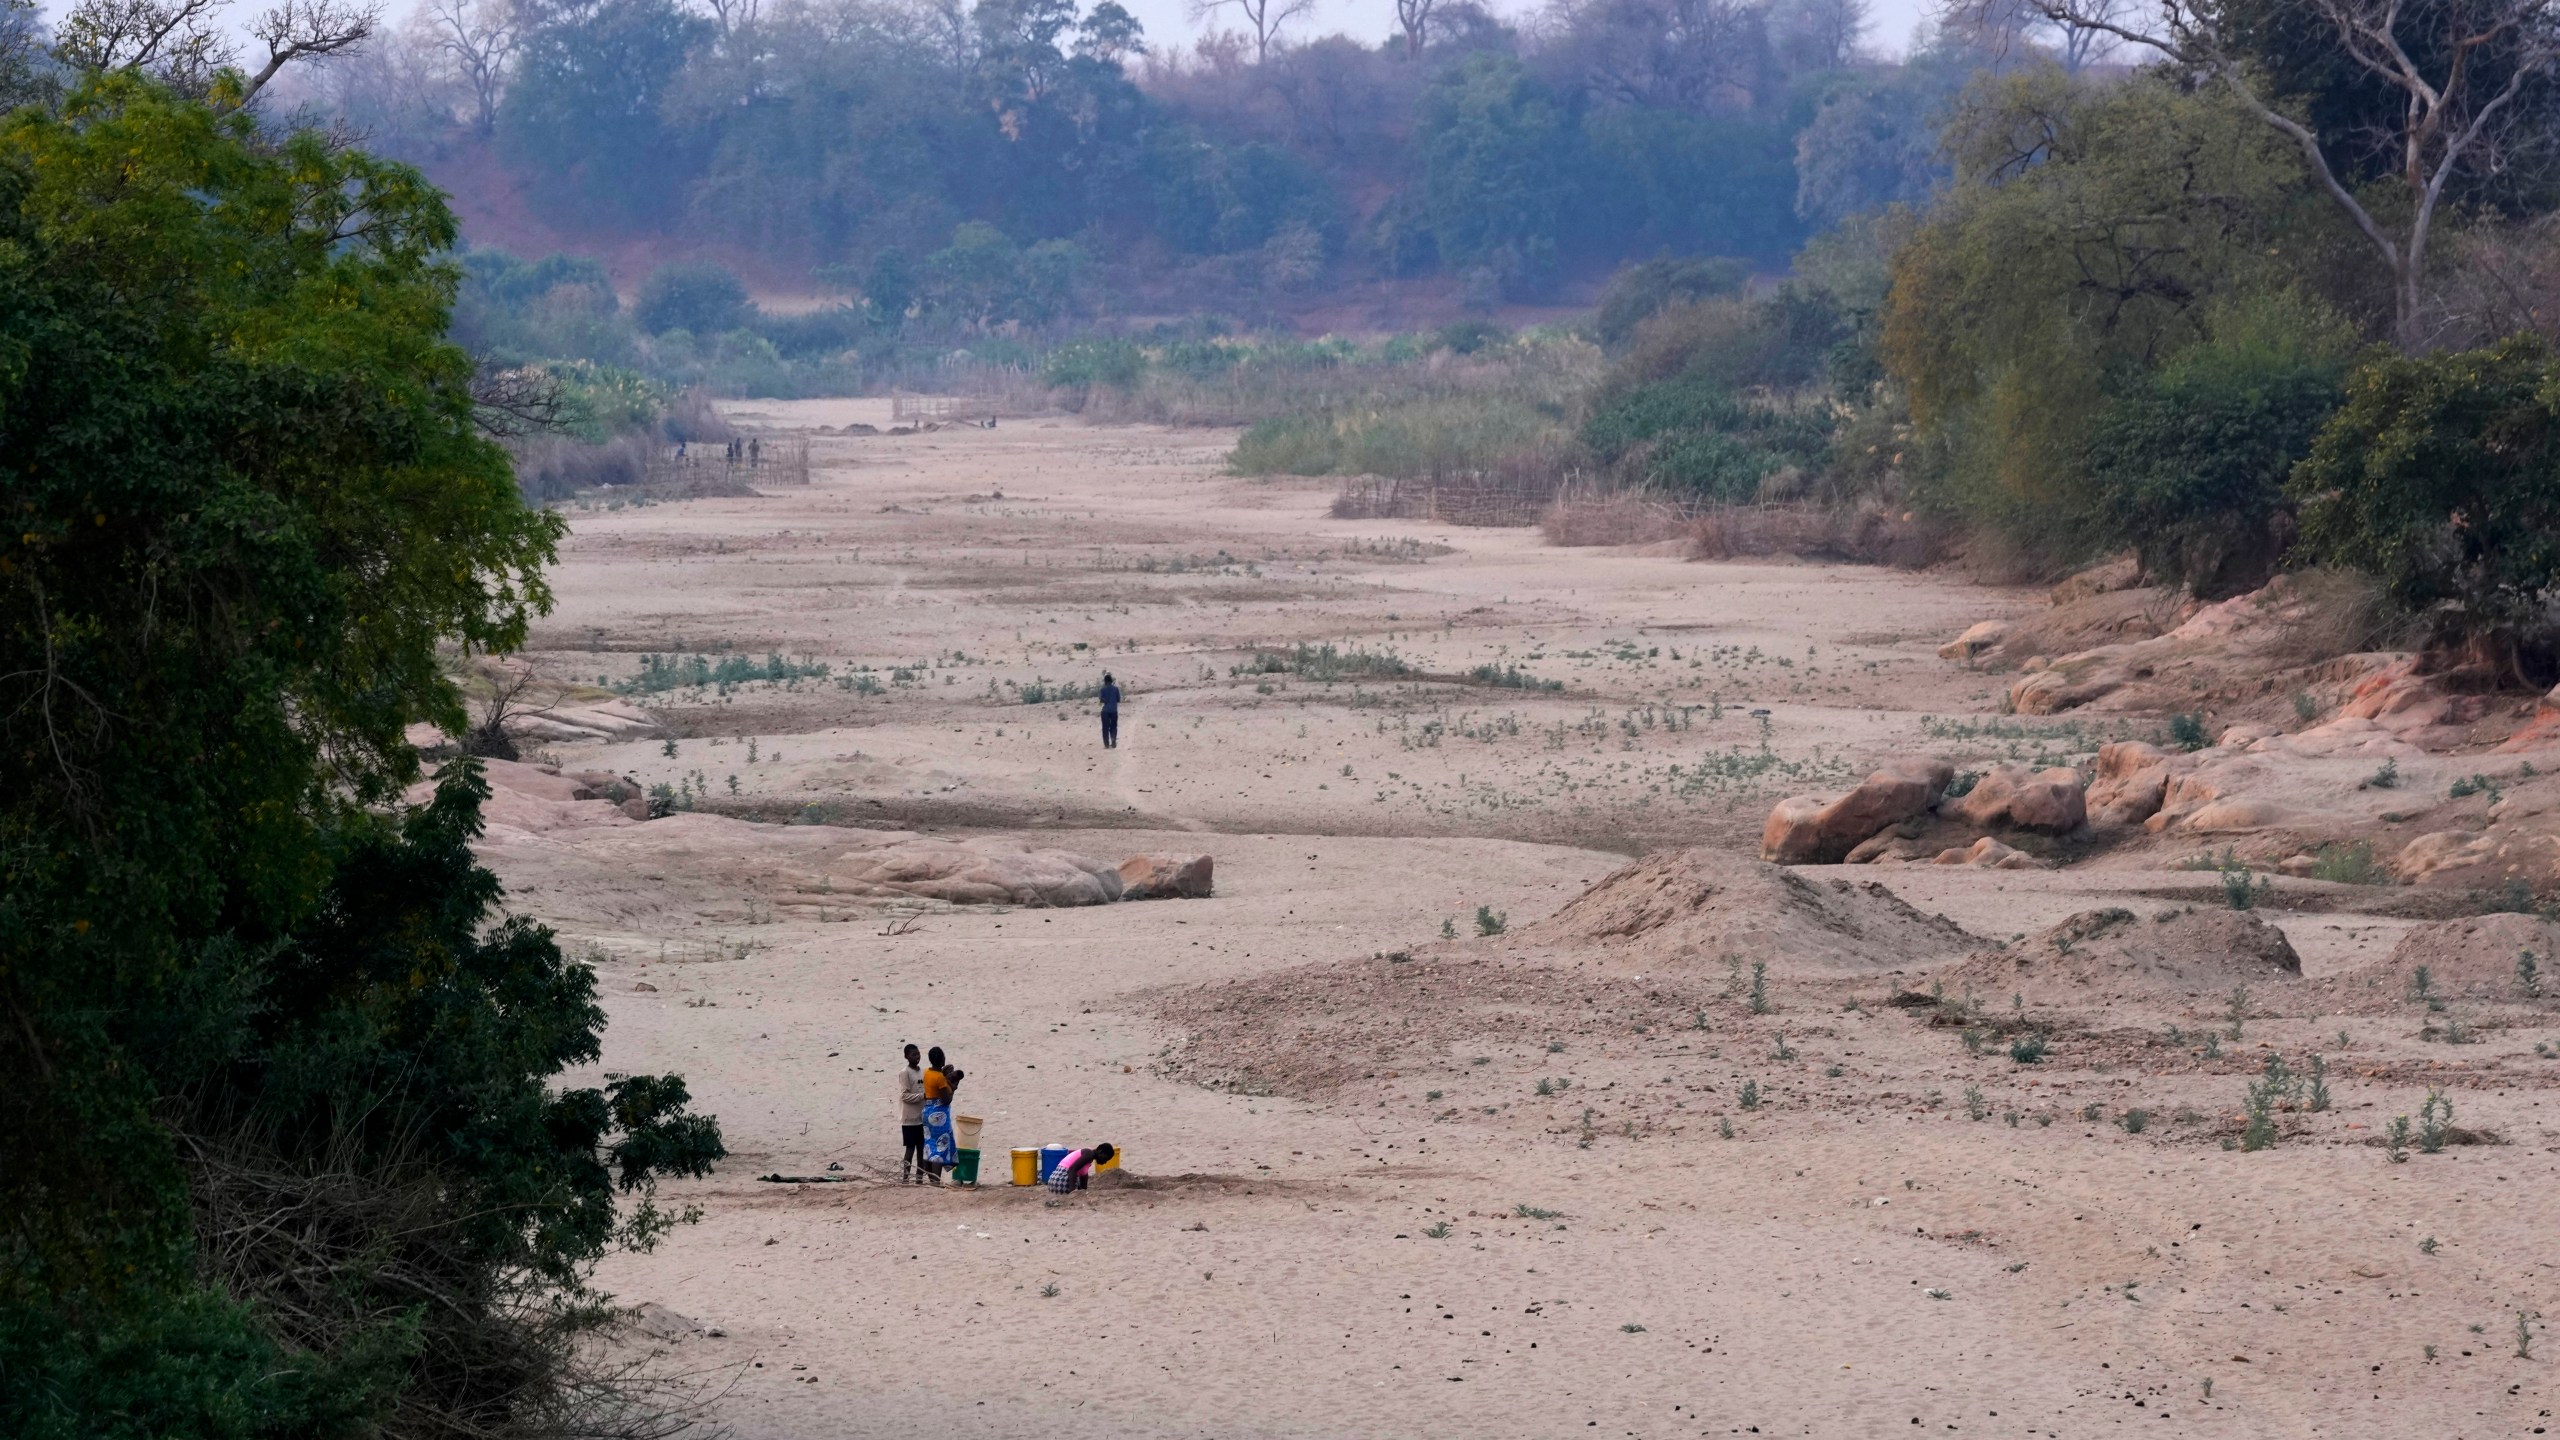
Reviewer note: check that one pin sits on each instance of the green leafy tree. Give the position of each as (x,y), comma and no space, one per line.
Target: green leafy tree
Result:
(1496,148)
(249,508)
(588,114)
(2091,232)
(694,295)
(2440,476)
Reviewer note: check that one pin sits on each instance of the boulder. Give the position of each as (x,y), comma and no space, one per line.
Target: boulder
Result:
(1984,635)
(2541,729)
(1803,830)
(2104,578)
(2052,801)
(1989,854)
(2131,781)
(1159,877)
(980,873)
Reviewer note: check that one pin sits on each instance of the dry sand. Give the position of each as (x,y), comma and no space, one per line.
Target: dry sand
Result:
(1349,1209)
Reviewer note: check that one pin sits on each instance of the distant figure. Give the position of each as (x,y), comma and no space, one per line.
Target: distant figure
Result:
(941,1080)
(911,1119)
(1077,1168)
(679,452)
(755,453)
(1110,697)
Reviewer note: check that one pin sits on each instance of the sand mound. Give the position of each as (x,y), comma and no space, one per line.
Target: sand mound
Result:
(2111,954)
(1705,905)
(1316,1028)
(2474,959)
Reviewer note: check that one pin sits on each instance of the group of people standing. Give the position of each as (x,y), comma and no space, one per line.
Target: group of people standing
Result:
(925,1089)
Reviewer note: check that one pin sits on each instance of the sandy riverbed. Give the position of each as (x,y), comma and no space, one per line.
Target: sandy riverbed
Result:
(1418,1241)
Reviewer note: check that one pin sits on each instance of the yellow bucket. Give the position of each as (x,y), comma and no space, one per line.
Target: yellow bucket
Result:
(1117,1155)
(1026,1167)
(964,1131)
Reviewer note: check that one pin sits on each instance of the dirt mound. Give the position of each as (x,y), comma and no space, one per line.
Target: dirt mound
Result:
(1314,1029)
(2476,958)
(2112,954)
(1704,905)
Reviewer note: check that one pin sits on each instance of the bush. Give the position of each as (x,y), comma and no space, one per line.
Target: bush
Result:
(2441,477)
(695,296)
(1637,292)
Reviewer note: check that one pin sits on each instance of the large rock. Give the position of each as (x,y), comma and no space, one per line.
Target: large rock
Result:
(1159,877)
(2132,779)
(1805,831)
(1984,635)
(983,873)
(2051,801)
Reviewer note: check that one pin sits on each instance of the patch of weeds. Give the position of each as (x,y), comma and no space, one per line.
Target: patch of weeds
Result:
(1631,1328)
(1759,987)
(2029,1049)
(1546,1086)
(2186,731)
(1975,1107)
(1937,1294)
(2395,1139)
(1439,1231)
(2422,988)
(1533,1212)
(2350,864)
(2428,1246)
(2238,1012)
(2093,1112)
(1433,1095)
(2136,1121)
(2529,973)
(2435,1123)
(1489,923)
(1049,1291)
(1749,1095)
(1555,1047)
(2258,1107)
(1833,1072)
(2305,709)
(1449,928)
(2524,1334)
(1782,1052)
(2317,1098)
(2470,785)
(2239,889)
(1724,1127)
(2213,1044)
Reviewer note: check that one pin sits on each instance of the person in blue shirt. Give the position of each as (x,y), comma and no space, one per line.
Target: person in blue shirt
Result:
(1110,697)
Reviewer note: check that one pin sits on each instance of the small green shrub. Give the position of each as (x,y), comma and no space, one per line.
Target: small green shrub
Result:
(2029,1049)
(1489,923)
(1750,1095)
(2187,732)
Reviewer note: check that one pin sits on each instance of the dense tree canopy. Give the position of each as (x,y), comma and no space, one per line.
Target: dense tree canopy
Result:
(250,508)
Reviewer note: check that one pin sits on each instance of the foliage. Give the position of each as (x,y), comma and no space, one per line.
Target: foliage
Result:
(1636,293)
(697,295)
(252,508)
(2092,234)
(2191,464)
(2441,477)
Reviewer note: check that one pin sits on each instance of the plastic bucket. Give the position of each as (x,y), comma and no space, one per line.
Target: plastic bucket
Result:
(1026,1167)
(965,1170)
(964,1131)
(1050,1155)
(1117,1155)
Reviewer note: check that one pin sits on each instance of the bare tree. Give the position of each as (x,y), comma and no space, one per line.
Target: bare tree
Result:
(1264,16)
(479,38)
(733,15)
(1819,34)
(1415,17)
(2460,112)
(180,42)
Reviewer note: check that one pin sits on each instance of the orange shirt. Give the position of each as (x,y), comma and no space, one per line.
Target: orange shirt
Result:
(937,1088)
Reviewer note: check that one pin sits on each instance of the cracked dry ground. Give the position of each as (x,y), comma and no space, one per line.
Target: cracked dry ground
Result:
(1382,1182)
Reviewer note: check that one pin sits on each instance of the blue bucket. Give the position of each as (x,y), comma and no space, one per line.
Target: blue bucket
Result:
(1050,1155)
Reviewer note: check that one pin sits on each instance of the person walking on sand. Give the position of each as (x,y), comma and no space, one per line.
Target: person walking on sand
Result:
(941,1081)
(1109,695)
(911,1119)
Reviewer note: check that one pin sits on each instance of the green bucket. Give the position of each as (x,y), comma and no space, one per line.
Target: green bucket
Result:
(965,1170)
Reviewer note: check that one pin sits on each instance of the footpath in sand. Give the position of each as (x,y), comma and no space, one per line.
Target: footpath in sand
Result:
(1388,1176)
